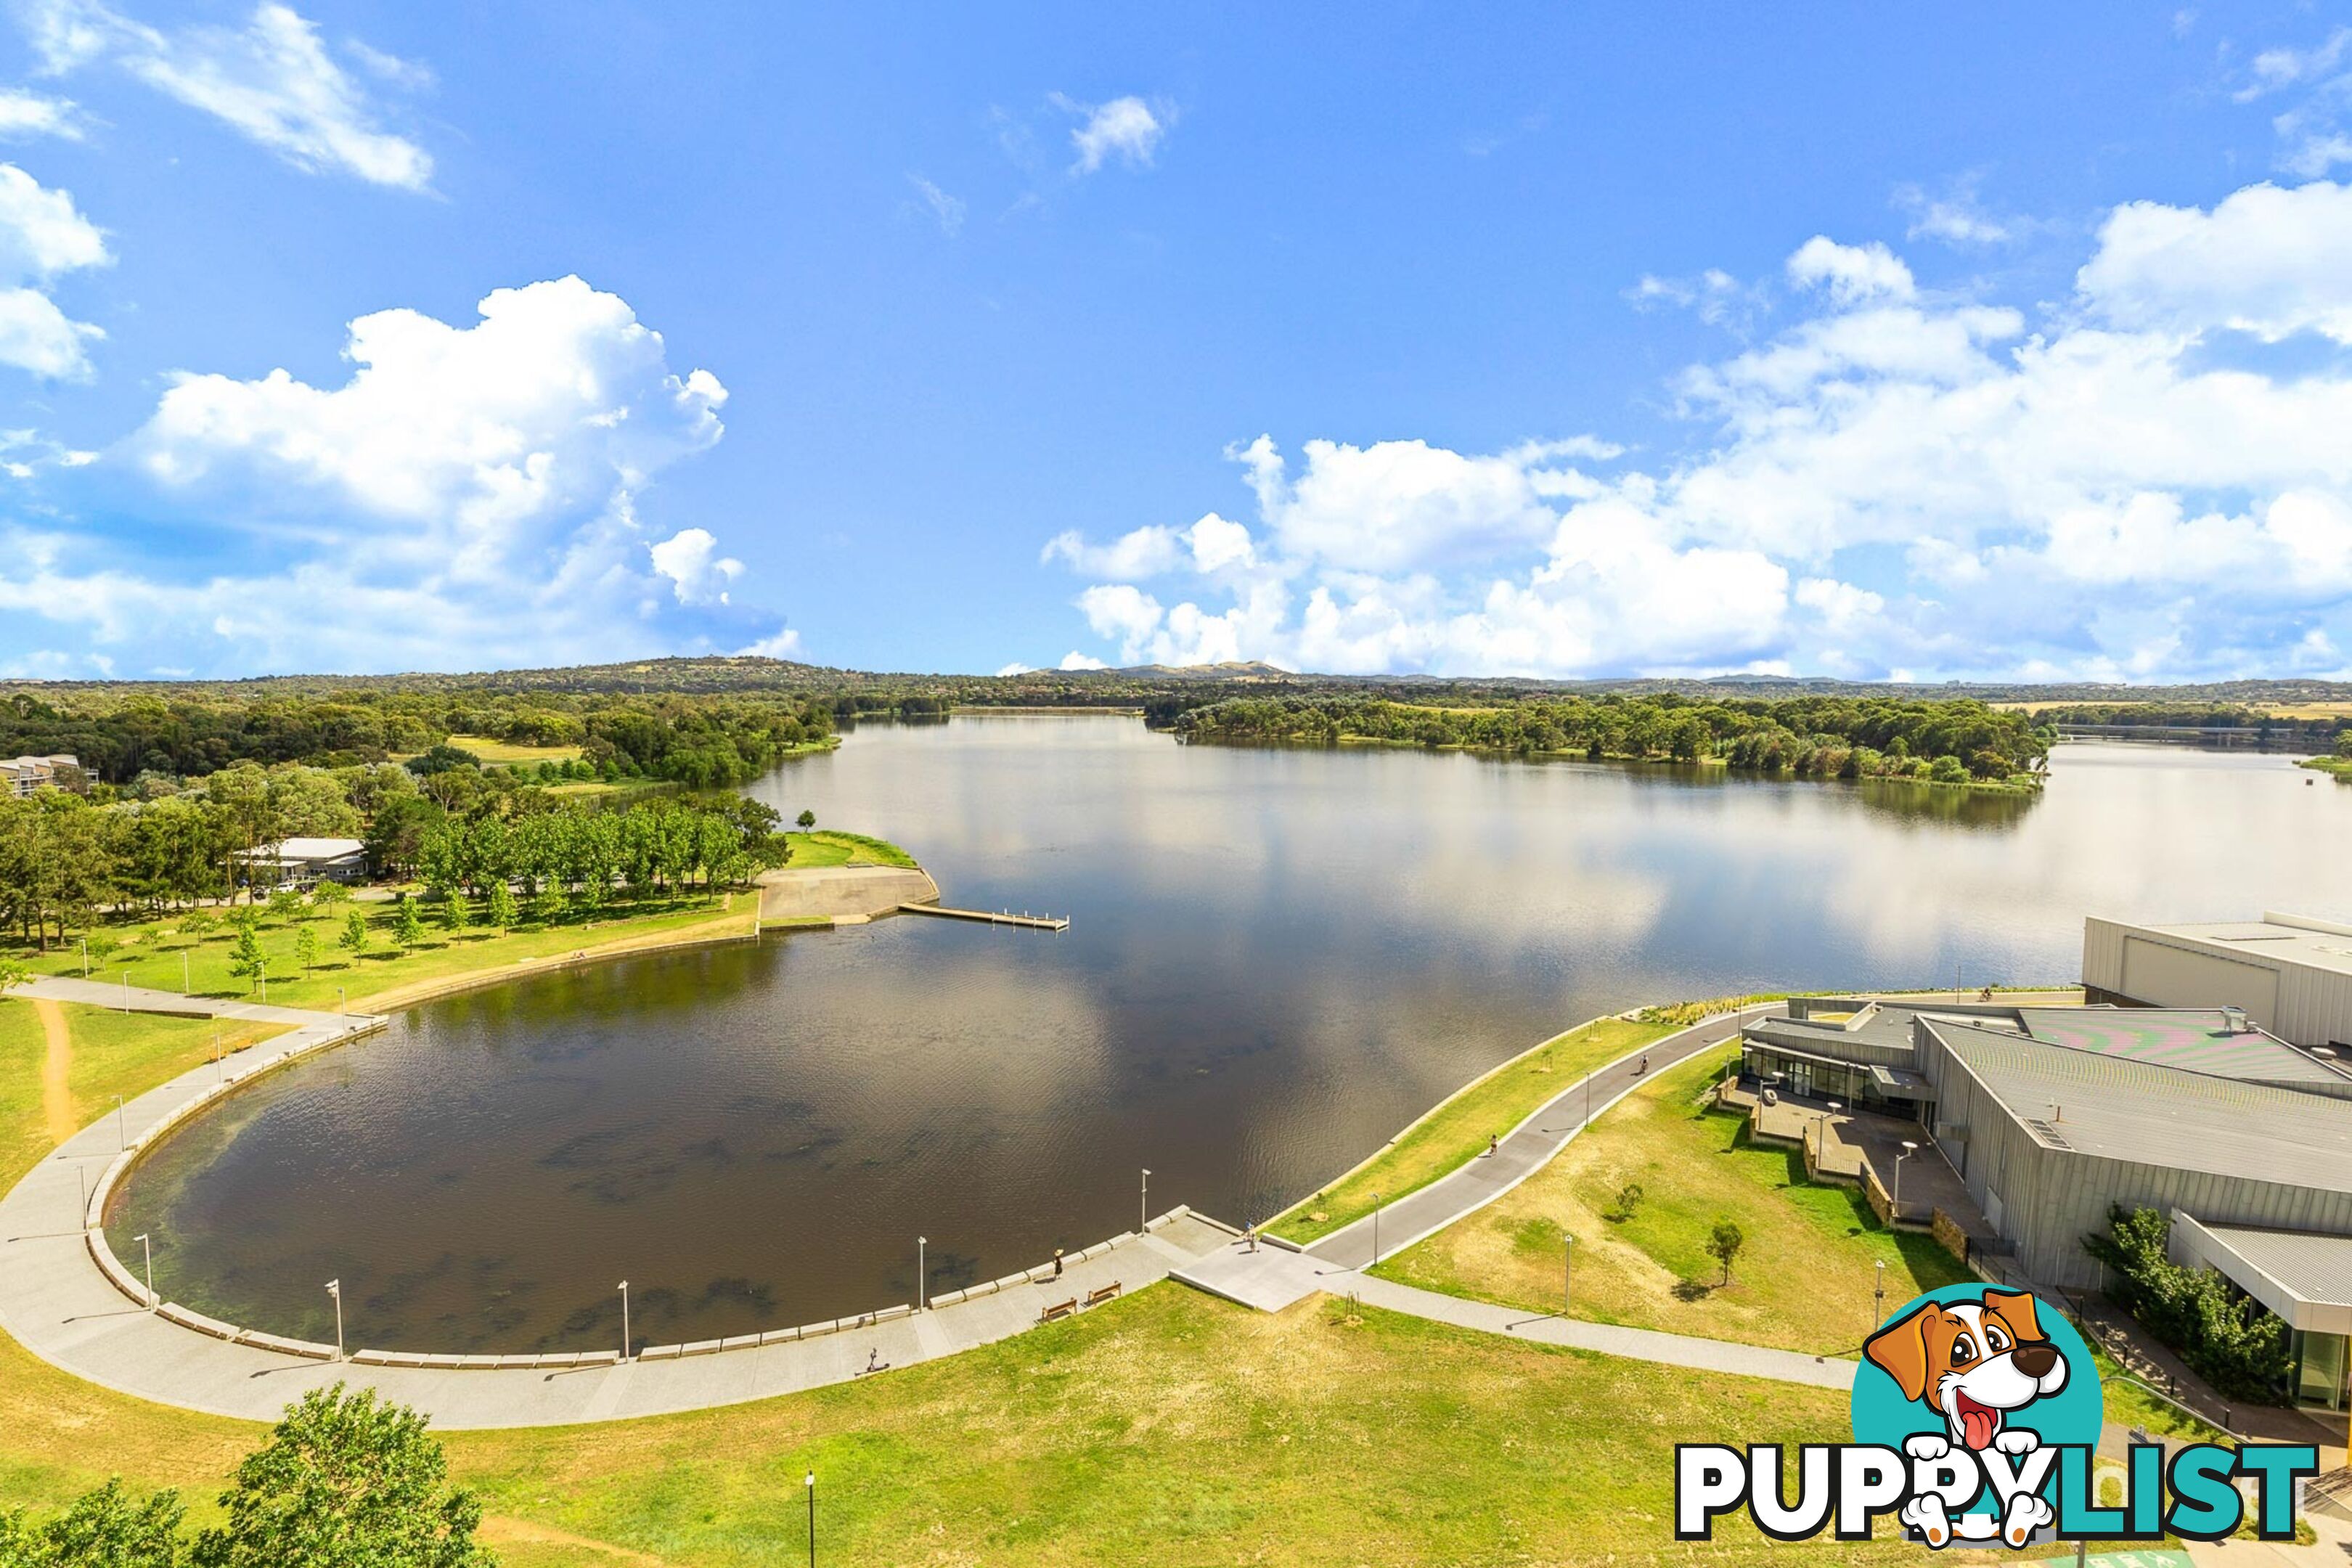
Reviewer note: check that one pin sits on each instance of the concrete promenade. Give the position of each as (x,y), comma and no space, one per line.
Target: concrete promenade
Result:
(1522,1152)
(58,1301)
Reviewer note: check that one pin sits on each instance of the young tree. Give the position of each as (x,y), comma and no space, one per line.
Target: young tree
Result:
(195,925)
(306,947)
(345,1482)
(103,1528)
(355,938)
(550,905)
(456,913)
(807,819)
(330,895)
(1724,1243)
(245,958)
(285,903)
(502,911)
(408,929)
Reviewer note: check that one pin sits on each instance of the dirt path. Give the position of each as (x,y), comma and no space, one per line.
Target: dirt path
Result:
(505,1530)
(56,1071)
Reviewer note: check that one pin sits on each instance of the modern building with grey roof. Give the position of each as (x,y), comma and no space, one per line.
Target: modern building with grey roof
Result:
(2052,1116)
(2292,974)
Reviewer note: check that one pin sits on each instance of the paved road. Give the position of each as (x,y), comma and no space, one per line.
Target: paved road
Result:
(1521,1152)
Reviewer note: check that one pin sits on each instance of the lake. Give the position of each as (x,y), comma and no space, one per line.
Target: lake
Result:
(1276,959)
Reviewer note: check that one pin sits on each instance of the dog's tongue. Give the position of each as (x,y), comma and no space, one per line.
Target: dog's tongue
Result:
(1976,1423)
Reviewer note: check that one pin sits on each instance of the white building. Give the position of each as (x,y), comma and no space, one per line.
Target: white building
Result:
(301,860)
(23,776)
(2292,974)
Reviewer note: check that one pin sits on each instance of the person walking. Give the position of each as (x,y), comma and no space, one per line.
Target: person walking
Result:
(1492,1144)
(1058,1263)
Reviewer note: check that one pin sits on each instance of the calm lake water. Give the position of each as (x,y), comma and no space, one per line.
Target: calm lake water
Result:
(1279,958)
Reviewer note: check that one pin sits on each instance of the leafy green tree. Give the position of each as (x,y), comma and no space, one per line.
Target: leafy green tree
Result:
(330,895)
(195,925)
(345,1482)
(807,819)
(501,909)
(12,972)
(457,912)
(306,947)
(245,958)
(355,938)
(550,905)
(285,903)
(407,928)
(103,1528)
(1722,1244)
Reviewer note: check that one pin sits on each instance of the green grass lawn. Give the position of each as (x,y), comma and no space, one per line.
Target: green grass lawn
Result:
(491,751)
(1458,1130)
(155,954)
(1803,1281)
(826,848)
(113,1053)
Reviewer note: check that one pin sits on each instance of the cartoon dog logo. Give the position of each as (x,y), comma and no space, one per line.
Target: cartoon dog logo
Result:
(1973,1363)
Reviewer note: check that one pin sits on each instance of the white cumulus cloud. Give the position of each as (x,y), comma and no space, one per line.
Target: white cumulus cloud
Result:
(1125,128)
(466,496)
(1898,479)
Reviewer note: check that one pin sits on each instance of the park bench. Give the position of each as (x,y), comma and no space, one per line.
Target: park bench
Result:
(1096,1298)
(1058,1310)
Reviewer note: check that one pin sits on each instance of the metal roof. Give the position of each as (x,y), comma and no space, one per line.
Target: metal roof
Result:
(2304,1278)
(2196,1038)
(2276,938)
(2117,1108)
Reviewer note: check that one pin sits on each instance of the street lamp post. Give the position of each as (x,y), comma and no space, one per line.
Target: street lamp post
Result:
(187,984)
(85,958)
(1376,1230)
(148,1250)
(921,1296)
(1822,1128)
(624,1320)
(1568,1272)
(126,993)
(811,1485)
(1143,1208)
(341,1006)
(122,1138)
(335,1288)
(1910,1149)
(1878,1297)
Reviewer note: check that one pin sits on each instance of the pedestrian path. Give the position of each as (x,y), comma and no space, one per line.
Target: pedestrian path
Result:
(1272,1278)
(60,1303)
(1520,1152)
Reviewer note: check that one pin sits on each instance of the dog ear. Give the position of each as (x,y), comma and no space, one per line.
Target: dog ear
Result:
(1900,1350)
(2015,1308)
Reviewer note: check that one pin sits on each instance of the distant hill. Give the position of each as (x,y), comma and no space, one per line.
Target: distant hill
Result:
(756,676)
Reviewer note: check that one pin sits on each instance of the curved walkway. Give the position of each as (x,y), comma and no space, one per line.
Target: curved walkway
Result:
(60,1304)
(1523,1151)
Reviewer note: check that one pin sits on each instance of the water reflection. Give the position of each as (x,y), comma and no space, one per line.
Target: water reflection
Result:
(1279,958)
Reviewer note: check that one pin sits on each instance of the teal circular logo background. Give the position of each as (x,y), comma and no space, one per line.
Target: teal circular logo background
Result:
(2072,1415)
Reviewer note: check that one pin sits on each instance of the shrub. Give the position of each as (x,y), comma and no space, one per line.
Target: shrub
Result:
(2227,1339)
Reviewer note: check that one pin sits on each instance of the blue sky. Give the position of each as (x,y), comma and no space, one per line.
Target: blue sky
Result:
(1974,342)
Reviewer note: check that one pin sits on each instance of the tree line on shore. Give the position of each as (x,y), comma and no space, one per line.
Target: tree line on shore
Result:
(130,737)
(1956,741)
(66,856)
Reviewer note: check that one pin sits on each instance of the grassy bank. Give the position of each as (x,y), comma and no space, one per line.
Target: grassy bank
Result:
(108,1053)
(1456,1129)
(2339,767)
(159,954)
(826,848)
(1803,1281)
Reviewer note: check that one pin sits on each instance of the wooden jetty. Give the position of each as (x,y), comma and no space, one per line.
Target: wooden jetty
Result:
(1035,923)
